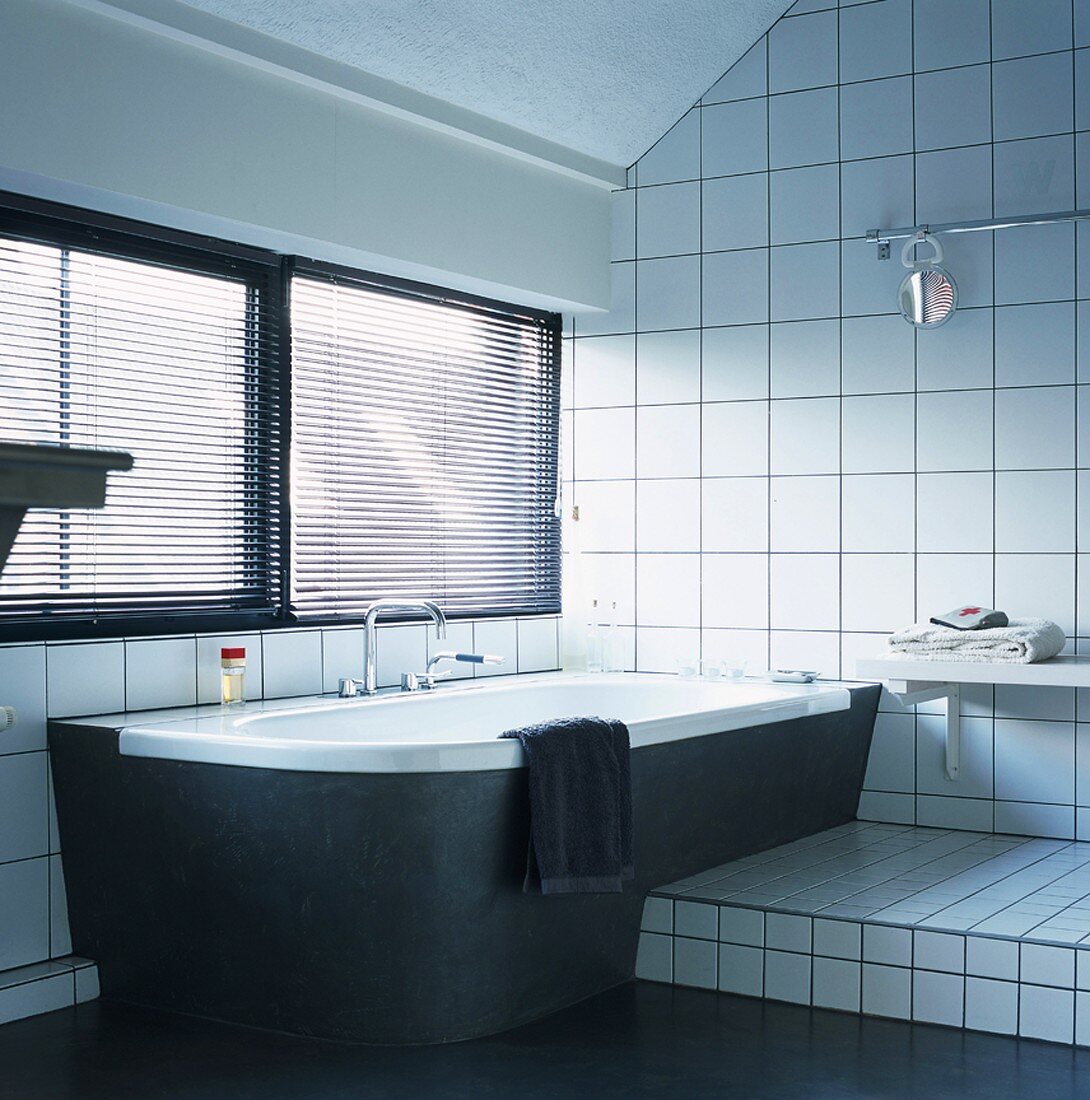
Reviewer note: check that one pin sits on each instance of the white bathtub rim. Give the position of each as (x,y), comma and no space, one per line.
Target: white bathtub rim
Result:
(207,734)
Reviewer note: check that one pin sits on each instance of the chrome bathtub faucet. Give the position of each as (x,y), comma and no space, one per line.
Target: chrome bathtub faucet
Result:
(426,680)
(369,685)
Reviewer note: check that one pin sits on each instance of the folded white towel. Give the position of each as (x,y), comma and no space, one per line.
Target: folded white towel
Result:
(1021,642)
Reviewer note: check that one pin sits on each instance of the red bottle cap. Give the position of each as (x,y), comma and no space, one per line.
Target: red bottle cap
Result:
(232,654)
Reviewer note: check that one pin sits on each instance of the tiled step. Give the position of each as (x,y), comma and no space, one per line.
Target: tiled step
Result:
(46,986)
(981,931)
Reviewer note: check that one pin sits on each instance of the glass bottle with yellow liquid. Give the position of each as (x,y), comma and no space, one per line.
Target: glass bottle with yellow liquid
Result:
(232,676)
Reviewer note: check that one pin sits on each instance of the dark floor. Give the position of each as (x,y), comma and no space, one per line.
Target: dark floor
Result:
(637,1040)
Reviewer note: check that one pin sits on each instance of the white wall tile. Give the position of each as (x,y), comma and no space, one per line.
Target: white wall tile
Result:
(741,970)
(788,932)
(668,589)
(24,806)
(746,78)
(805,513)
(879,513)
(1034,428)
(659,649)
(813,650)
(878,434)
(733,515)
(805,358)
(741,926)
(497,638)
(883,944)
(604,371)
(990,958)
(160,672)
(654,957)
(887,991)
(734,438)
(668,514)
(836,984)
(695,962)
(85,678)
(734,287)
(699,920)
(1046,965)
(802,52)
(667,441)
(668,367)
(1035,761)
(837,938)
(938,951)
(735,363)
(22,686)
(537,645)
(991,1006)
(292,663)
(877,592)
(787,977)
(605,443)
(891,764)
(938,998)
(658,915)
(607,515)
(667,223)
(675,156)
(1046,1014)
(805,436)
(24,912)
(802,128)
(734,138)
(805,591)
(735,590)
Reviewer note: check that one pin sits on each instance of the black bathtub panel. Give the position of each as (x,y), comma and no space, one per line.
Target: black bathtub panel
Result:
(388,908)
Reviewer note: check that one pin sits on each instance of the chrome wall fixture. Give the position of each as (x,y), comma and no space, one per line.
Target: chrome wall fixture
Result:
(882,237)
(929,294)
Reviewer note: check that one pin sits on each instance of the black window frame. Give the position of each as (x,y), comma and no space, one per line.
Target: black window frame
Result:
(75,227)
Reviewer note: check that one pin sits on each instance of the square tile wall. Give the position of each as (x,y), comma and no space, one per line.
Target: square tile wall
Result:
(68,679)
(771,466)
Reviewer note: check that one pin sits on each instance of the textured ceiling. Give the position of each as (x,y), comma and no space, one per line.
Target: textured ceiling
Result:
(604,77)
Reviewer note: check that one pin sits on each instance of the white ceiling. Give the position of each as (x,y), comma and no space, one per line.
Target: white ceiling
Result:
(604,77)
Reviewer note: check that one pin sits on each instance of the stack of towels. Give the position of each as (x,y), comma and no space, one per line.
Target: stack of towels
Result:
(1020,642)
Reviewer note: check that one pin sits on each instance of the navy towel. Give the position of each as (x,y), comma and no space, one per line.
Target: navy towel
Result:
(580,806)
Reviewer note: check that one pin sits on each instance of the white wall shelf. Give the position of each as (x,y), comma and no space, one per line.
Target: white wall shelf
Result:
(916,681)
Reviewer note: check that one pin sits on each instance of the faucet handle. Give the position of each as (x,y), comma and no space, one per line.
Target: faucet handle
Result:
(347,688)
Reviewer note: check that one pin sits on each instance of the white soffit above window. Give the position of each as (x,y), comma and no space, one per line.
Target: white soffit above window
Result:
(586,85)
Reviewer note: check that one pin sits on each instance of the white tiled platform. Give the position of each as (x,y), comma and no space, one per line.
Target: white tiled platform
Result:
(983,931)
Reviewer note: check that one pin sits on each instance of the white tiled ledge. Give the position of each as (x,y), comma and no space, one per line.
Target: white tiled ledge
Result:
(936,926)
(46,987)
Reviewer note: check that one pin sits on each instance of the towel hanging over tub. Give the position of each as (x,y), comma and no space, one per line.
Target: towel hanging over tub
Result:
(580,806)
(1021,642)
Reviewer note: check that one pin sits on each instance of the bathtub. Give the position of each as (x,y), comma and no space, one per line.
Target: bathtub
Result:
(352,869)
(457,728)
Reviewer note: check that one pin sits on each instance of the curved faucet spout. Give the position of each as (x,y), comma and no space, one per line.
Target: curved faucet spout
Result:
(390,605)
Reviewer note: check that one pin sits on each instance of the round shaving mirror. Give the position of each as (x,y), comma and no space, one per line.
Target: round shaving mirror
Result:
(928,294)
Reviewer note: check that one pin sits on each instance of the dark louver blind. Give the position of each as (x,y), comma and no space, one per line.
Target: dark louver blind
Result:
(424,451)
(175,365)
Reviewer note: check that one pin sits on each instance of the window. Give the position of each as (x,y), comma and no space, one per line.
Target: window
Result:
(424,435)
(424,450)
(130,346)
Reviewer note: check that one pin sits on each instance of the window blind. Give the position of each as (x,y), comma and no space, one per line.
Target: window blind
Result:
(424,451)
(169,360)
